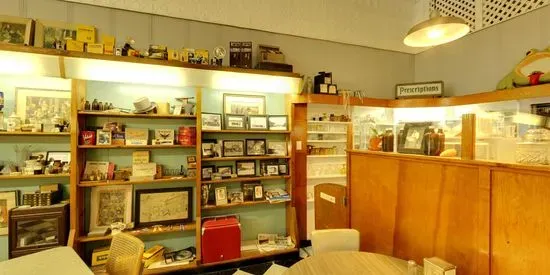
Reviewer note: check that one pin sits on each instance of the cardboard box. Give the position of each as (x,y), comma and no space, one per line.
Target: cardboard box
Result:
(187,55)
(85,34)
(137,136)
(201,57)
(75,46)
(100,256)
(153,254)
(140,157)
(173,54)
(108,44)
(164,137)
(95,48)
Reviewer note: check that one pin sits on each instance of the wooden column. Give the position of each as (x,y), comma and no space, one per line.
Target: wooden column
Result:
(78,93)
(198,184)
(468,136)
(299,173)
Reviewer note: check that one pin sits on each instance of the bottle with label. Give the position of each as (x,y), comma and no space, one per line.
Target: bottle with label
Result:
(387,140)
(441,146)
(434,141)
(95,105)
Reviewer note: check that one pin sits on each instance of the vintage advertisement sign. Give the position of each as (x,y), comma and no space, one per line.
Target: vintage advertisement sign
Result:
(425,89)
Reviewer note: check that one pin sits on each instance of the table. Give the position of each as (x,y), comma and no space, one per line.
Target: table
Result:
(349,263)
(56,261)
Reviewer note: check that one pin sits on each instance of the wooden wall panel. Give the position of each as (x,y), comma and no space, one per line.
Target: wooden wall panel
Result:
(299,198)
(520,225)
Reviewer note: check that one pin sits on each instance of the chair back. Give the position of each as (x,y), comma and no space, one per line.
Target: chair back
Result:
(329,240)
(125,255)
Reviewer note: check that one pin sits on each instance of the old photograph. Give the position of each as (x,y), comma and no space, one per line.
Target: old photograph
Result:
(42,106)
(110,204)
(163,206)
(243,104)
(255,147)
(211,121)
(233,148)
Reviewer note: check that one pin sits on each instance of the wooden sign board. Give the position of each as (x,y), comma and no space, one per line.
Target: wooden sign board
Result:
(425,89)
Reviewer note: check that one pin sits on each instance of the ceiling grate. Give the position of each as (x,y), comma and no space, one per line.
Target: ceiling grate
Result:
(465,9)
(496,11)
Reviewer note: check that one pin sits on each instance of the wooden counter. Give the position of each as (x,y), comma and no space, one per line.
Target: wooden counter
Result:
(485,217)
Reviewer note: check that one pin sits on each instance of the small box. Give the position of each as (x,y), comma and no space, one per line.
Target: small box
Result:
(201,56)
(108,44)
(100,256)
(173,55)
(94,48)
(323,88)
(437,266)
(221,239)
(164,137)
(140,157)
(137,136)
(153,254)
(85,34)
(187,55)
(118,138)
(332,89)
(75,46)
(270,54)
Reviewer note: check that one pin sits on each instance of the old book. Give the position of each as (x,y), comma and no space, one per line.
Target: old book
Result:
(140,157)
(235,54)
(137,136)
(246,55)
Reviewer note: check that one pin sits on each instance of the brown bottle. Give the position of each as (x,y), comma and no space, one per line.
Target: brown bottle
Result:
(387,141)
(441,146)
(434,142)
(95,105)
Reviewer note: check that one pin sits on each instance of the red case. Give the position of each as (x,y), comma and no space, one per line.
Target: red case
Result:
(221,239)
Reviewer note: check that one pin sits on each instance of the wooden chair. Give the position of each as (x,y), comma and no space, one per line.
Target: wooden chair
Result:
(329,240)
(125,256)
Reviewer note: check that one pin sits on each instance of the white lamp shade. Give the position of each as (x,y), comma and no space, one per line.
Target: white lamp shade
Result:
(436,31)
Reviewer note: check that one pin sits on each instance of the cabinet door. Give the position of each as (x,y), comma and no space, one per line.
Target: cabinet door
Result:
(331,207)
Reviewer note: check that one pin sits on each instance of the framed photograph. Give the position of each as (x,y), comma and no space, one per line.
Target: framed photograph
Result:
(164,206)
(277,148)
(207,172)
(233,148)
(191,159)
(236,197)
(278,123)
(283,169)
(234,122)
(246,168)
(63,156)
(110,204)
(53,34)
(255,147)
(221,195)
(272,169)
(257,122)
(413,138)
(16,30)
(225,171)
(103,137)
(243,104)
(258,192)
(211,121)
(248,190)
(192,173)
(41,105)
(209,148)
(8,200)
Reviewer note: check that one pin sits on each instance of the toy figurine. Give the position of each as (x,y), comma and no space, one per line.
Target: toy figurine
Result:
(534,69)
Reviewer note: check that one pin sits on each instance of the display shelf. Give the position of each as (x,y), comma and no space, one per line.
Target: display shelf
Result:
(244,158)
(127,182)
(8,177)
(245,132)
(129,115)
(134,146)
(329,122)
(170,269)
(327,177)
(141,232)
(255,254)
(328,141)
(327,133)
(326,156)
(245,179)
(40,134)
(231,205)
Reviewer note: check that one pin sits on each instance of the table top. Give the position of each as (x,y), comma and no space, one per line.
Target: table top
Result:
(349,262)
(59,261)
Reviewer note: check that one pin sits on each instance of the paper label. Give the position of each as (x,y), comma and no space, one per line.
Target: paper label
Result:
(328,197)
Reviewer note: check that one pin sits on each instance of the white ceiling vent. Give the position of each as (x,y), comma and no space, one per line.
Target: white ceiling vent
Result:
(496,11)
(465,9)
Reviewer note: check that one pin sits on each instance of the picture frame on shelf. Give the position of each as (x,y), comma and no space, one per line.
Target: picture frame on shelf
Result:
(191,162)
(110,204)
(103,137)
(221,195)
(8,201)
(234,122)
(272,169)
(42,105)
(233,148)
(277,148)
(53,34)
(63,156)
(239,104)
(211,121)
(257,122)
(96,170)
(207,171)
(413,138)
(255,147)
(278,122)
(192,173)
(283,169)
(248,190)
(17,30)
(246,168)
(258,192)
(225,171)
(164,206)
(236,197)
(208,148)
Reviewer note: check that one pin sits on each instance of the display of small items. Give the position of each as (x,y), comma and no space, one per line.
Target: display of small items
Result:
(38,163)
(322,84)
(16,124)
(331,117)
(46,195)
(250,191)
(248,147)
(245,168)
(213,121)
(98,106)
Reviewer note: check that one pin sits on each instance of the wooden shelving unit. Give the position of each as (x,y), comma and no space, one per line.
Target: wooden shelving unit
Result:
(134,146)
(245,179)
(243,204)
(170,269)
(245,158)
(245,132)
(130,115)
(143,232)
(39,134)
(256,254)
(125,182)
(22,177)
(326,156)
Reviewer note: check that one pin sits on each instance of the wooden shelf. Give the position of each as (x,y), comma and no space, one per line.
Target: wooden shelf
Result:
(124,182)
(327,133)
(329,122)
(129,115)
(255,254)
(170,269)
(326,156)
(244,158)
(245,132)
(7,177)
(245,179)
(35,134)
(231,205)
(140,232)
(134,146)
(327,177)
(328,141)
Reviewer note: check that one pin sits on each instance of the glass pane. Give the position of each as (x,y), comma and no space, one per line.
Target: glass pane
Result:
(37,232)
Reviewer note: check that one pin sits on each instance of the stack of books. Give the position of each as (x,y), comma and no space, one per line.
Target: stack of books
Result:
(277,195)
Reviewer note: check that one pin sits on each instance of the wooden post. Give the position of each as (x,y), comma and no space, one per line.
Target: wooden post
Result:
(198,185)
(468,136)
(78,92)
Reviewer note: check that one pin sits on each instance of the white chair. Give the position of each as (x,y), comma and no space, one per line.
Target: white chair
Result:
(329,240)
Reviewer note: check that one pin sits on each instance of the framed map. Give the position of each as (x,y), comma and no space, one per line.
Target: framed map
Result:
(164,206)
(110,204)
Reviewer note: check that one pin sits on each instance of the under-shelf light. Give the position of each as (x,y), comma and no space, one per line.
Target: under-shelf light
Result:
(18,63)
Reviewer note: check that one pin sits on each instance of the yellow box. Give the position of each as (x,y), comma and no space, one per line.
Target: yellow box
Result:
(153,254)
(100,256)
(76,46)
(187,55)
(173,55)
(201,56)
(108,44)
(95,48)
(85,33)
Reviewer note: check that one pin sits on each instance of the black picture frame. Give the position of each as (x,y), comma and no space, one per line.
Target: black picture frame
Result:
(283,169)
(273,123)
(277,148)
(223,170)
(63,156)
(248,190)
(208,149)
(211,121)
(207,176)
(272,169)
(229,149)
(246,108)
(234,122)
(405,146)
(188,204)
(259,192)
(241,165)
(256,147)
(257,122)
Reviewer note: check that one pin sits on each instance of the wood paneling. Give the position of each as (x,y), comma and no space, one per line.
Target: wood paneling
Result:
(468,137)
(299,198)
(331,214)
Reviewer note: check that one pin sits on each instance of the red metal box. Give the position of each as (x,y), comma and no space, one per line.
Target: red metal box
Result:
(221,239)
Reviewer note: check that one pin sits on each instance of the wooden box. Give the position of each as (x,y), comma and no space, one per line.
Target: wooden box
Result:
(271,54)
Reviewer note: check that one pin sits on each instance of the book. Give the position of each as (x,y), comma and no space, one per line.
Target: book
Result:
(96,170)
(140,157)
(164,137)
(246,55)
(137,136)
(277,195)
(235,54)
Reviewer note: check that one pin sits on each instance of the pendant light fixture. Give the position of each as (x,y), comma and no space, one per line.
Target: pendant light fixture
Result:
(436,31)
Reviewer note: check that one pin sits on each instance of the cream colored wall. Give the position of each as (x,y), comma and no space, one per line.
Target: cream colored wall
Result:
(477,62)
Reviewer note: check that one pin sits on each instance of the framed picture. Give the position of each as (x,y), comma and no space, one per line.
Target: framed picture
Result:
(208,148)
(272,169)
(225,171)
(233,148)
(221,195)
(110,204)
(236,197)
(257,122)
(255,147)
(277,148)
(63,156)
(243,104)
(207,172)
(283,169)
(191,159)
(53,34)
(192,173)
(103,137)
(211,121)
(258,192)
(164,206)
(246,168)
(413,138)
(278,123)
(234,122)
(8,200)
(16,30)
(248,190)
(41,105)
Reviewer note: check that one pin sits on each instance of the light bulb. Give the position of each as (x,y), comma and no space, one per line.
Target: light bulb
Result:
(435,33)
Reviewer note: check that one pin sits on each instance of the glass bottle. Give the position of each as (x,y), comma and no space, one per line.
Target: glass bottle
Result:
(87,105)
(101,106)
(95,105)
(411,267)
(387,141)
(441,145)
(399,137)
(434,141)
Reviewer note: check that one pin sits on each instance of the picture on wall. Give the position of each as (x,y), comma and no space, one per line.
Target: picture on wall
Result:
(246,168)
(235,122)
(233,148)
(164,206)
(8,200)
(53,34)
(257,122)
(41,106)
(16,30)
(255,147)
(110,204)
(243,104)
(211,121)
(278,123)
